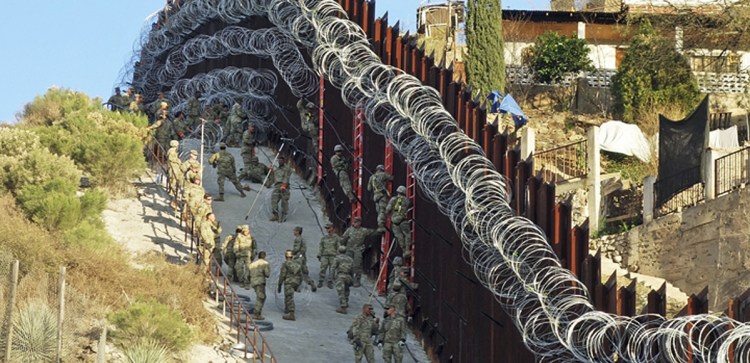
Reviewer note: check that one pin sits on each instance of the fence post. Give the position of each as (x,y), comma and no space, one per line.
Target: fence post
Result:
(594,179)
(709,173)
(11,307)
(527,142)
(60,314)
(648,198)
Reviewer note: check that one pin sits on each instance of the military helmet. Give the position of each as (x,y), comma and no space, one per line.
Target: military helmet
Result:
(288,254)
(342,249)
(398,261)
(174,143)
(338,148)
(397,285)
(222,146)
(245,228)
(194,152)
(401,189)
(380,167)
(310,105)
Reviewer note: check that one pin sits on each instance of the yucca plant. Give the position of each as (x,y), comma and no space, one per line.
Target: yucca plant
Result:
(147,351)
(34,334)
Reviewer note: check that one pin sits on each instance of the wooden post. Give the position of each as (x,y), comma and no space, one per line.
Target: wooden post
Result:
(11,307)
(101,350)
(60,315)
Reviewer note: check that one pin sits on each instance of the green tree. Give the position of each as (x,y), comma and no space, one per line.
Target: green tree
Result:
(554,56)
(652,75)
(485,63)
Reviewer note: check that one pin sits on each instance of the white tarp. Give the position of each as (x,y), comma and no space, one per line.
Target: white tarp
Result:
(721,139)
(619,137)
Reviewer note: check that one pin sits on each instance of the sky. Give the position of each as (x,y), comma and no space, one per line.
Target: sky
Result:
(84,44)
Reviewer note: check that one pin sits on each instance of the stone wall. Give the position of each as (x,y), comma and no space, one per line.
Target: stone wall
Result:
(707,245)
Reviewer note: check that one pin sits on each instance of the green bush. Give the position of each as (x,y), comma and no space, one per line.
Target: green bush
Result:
(151,320)
(146,351)
(16,142)
(53,106)
(554,56)
(37,167)
(34,334)
(653,75)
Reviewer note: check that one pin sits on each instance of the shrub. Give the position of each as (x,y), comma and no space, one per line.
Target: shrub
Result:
(151,320)
(653,75)
(146,351)
(34,334)
(16,142)
(37,167)
(554,56)
(53,106)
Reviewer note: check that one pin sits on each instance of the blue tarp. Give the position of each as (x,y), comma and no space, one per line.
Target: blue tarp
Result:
(507,105)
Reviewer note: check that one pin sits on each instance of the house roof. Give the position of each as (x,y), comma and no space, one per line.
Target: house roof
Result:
(565,16)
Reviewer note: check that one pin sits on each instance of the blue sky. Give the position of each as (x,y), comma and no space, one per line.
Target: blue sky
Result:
(83,44)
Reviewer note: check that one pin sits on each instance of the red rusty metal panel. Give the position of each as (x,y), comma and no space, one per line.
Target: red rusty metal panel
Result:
(378,36)
(533,185)
(609,292)
(399,53)
(626,300)
(657,301)
(560,231)
(488,134)
(368,18)
(387,55)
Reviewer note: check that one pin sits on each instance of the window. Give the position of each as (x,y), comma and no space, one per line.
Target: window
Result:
(724,63)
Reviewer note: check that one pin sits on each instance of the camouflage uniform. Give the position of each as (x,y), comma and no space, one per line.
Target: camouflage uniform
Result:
(281,192)
(256,171)
(248,148)
(225,163)
(354,238)
(115,102)
(398,207)
(229,257)
(234,134)
(397,297)
(308,125)
(362,330)
(299,249)
(342,266)
(193,112)
(163,131)
(193,196)
(173,168)
(393,332)
(208,235)
(259,272)
(291,278)
(244,252)
(341,167)
(377,185)
(180,128)
(329,246)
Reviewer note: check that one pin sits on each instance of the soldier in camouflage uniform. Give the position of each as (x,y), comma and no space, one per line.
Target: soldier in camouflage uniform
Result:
(163,133)
(173,170)
(193,112)
(256,171)
(161,104)
(208,235)
(225,163)
(299,250)
(281,190)
(115,102)
(392,336)
(136,105)
(194,194)
(397,208)
(342,266)
(180,128)
(244,251)
(307,122)
(340,166)
(377,185)
(259,273)
(127,98)
(234,134)
(397,297)
(202,208)
(230,258)
(354,239)
(329,245)
(192,166)
(360,334)
(290,278)
(248,145)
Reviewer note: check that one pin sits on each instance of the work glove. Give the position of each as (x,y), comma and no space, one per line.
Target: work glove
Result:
(380,345)
(284,186)
(401,343)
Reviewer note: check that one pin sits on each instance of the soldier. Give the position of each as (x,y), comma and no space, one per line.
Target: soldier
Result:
(392,336)
(256,171)
(236,115)
(290,277)
(299,250)
(225,163)
(377,185)
(397,298)
(398,262)
(193,111)
(280,190)
(136,105)
(208,235)
(179,125)
(127,98)
(307,121)
(342,266)
(397,208)
(173,170)
(164,131)
(194,194)
(191,166)
(340,166)
(115,102)
(229,257)
(354,239)
(327,253)
(248,145)
(259,273)
(244,252)
(202,208)
(160,105)
(360,334)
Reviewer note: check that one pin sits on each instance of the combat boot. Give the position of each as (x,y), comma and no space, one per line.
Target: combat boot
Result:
(356,283)
(320,283)
(289,316)
(341,310)
(242,194)
(258,317)
(220,198)
(330,284)
(274,217)
(282,219)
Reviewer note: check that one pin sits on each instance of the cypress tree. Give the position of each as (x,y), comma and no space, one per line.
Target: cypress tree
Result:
(485,63)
